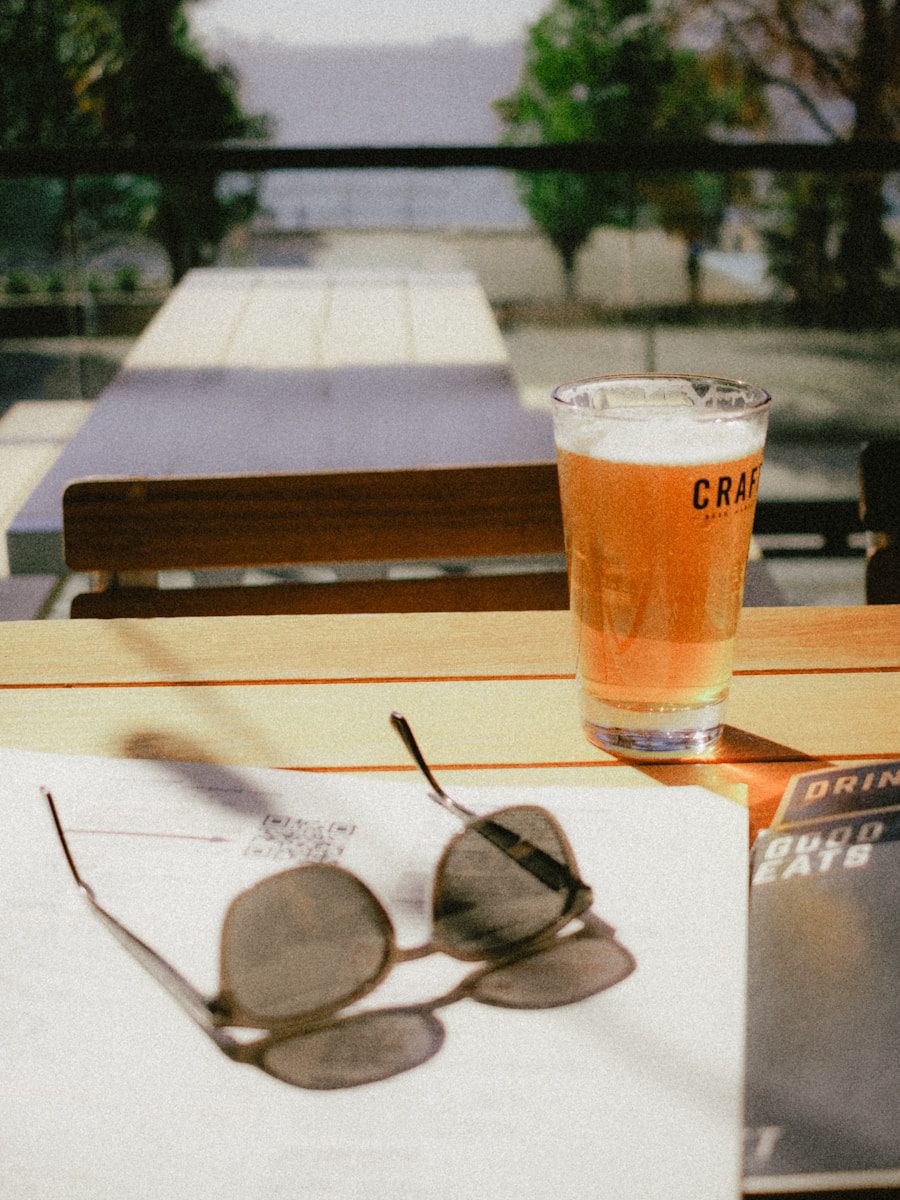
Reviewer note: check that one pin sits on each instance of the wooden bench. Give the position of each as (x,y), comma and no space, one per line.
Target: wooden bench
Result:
(125,531)
(26,597)
(494,527)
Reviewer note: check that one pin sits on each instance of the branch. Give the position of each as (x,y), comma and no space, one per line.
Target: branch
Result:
(764,74)
(893,104)
(834,65)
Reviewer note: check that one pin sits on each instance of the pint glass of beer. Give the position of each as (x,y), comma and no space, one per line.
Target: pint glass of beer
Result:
(658,477)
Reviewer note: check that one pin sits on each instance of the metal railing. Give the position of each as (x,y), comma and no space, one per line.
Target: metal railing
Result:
(809,528)
(581,157)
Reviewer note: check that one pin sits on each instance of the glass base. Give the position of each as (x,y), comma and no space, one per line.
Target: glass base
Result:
(652,733)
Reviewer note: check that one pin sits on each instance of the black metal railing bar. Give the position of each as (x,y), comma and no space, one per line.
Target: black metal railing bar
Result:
(581,157)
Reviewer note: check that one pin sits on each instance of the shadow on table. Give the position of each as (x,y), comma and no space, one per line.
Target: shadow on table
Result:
(764,767)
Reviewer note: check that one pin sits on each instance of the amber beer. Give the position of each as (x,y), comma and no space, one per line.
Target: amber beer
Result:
(659,490)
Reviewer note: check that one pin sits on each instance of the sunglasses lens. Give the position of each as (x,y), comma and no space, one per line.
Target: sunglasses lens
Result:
(302,942)
(358,1050)
(572,969)
(486,902)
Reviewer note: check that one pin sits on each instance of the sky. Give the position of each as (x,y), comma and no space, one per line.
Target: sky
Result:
(324,22)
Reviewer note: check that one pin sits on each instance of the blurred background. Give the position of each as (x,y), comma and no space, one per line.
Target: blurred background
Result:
(729,203)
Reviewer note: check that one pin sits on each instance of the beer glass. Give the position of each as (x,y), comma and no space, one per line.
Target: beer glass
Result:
(658,477)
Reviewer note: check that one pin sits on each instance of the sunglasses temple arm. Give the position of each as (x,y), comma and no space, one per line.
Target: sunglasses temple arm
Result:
(529,857)
(401,724)
(186,995)
(532,858)
(70,861)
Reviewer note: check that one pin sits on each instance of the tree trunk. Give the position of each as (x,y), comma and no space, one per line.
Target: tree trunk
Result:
(692,266)
(864,251)
(865,248)
(812,274)
(570,283)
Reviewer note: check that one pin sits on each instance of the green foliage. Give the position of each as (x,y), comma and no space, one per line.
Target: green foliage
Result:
(604,71)
(833,265)
(18,283)
(55,284)
(126,72)
(803,208)
(114,204)
(127,279)
(837,60)
(31,220)
(158,87)
(41,48)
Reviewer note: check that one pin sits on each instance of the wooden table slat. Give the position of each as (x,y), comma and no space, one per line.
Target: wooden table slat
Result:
(423,645)
(492,695)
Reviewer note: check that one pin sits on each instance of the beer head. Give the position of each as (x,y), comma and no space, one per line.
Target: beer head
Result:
(660,419)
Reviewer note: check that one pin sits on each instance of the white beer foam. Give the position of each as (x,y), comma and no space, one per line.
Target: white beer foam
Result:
(673,436)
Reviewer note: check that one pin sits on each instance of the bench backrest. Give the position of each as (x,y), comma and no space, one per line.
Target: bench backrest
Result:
(118,529)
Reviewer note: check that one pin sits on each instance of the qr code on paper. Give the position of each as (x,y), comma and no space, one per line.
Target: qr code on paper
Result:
(298,839)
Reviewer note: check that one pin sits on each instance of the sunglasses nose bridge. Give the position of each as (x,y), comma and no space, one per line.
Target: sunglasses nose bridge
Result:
(404,954)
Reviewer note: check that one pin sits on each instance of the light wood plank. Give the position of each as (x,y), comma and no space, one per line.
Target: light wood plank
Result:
(22,466)
(230,363)
(44,420)
(367,323)
(406,645)
(480,722)
(286,648)
(816,638)
(280,328)
(454,324)
(195,326)
(492,696)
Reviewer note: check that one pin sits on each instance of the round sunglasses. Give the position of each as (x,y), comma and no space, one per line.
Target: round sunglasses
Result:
(300,946)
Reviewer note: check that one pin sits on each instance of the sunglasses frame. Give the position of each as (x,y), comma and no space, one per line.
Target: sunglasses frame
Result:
(215,1015)
(593,928)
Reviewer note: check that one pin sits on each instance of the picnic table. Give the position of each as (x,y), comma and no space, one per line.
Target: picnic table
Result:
(297,370)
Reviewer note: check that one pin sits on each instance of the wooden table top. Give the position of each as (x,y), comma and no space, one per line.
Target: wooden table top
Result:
(296,370)
(491,696)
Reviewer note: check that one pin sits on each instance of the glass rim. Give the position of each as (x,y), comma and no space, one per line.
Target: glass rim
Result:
(757,398)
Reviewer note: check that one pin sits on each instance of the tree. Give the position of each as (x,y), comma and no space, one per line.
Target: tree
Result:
(40,47)
(156,87)
(840,61)
(604,70)
(797,242)
(126,72)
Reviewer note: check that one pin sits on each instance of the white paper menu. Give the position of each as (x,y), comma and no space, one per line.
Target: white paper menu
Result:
(111,1093)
